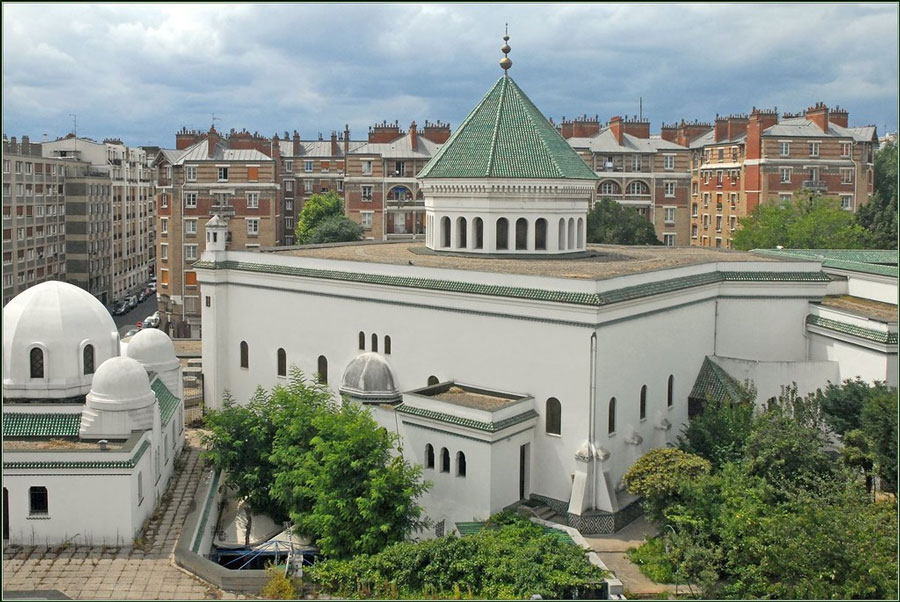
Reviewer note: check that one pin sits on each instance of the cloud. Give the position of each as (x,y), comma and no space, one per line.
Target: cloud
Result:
(142,71)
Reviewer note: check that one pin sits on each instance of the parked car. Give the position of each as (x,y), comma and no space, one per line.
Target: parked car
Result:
(152,284)
(142,296)
(151,321)
(131,333)
(121,308)
(132,302)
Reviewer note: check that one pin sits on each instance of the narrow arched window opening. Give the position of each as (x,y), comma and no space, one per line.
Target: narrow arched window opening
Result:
(540,234)
(282,363)
(643,402)
(460,464)
(429,456)
(245,355)
(670,398)
(323,370)
(433,380)
(562,234)
(502,231)
(37,363)
(362,340)
(88,359)
(612,416)
(479,233)
(553,416)
(521,234)
(462,241)
(387,344)
(445,460)
(445,232)
(38,502)
(374,342)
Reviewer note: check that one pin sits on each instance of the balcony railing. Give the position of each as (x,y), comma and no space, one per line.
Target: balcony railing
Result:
(221,210)
(815,185)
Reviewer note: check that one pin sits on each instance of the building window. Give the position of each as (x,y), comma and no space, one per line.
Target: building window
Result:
(846,175)
(693,230)
(190,226)
(845,149)
(252,227)
(721,154)
(670,215)
(245,355)
(164,225)
(37,362)
(374,342)
(670,390)
(460,464)
(322,372)
(307,185)
(706,199)
(786,175)
(190,200)
(609,188)
(643,406)
(669,239)
(288,165)
(433,380)
(387,345)
(611,424)
(88,359)
(164,251)
(140,488)
(785,149)
(695,210)
(367,167)
(190,252)
(366,219)
(208,301)
(429,456)
(362,341)
(223,174)
(307,166)
(813,149)
(38,503)
(668,161)
(636,163)
(846,202)
(289,185)
(282,363)
(719,174)
(252,200)
(638,188)
(253,173)
(445,460)
(553,417)
(366,193)
(718,223)
(670,189)
(190,173)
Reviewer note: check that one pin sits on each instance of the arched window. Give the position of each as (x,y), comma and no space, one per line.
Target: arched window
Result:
(445,232)
(88,359)
(462,232)
(553,418)
(670,397)
(323,370)
(429,456)
(282,363)
(638,187)
(609,188)
(502,234)
(562,234)
(571,236)
(245,355)
(580,235)
(374,342)
(433,380)
(612,415)
(460,464)
(445,460)
(387,344)
(540,234)
(643,402)
(479,233)
(521,234)
(38,503)
(37,363)
(362,340)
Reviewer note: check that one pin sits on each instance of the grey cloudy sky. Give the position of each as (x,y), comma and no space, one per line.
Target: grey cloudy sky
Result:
(141,71)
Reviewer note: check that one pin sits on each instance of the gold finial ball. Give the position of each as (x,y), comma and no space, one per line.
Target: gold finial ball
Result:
(505,49)
(506,38)
(505,63)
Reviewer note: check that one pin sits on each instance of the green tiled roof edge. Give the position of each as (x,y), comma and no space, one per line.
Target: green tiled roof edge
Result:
(506,136)
(489,427)
(110,464)
(555,296)
(21,424)
(876,336)
(168,403)
(714,384)
(864,261)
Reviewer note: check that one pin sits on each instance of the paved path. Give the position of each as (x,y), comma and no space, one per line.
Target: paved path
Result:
(145,572)
(612,551)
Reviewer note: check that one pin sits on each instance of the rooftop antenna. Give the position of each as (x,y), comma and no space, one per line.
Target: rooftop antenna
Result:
(641,107)
(214,120)
(505,62)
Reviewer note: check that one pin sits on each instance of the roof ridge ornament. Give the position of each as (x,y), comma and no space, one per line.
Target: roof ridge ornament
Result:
(505,62)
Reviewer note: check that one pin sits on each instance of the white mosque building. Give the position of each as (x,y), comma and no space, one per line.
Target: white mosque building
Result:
(515,361)
(91,425)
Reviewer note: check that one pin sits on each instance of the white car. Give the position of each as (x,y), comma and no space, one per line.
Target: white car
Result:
(152,321)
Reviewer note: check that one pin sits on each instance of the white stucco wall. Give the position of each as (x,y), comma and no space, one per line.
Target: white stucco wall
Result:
(761,329)
(769,377)
(854,360)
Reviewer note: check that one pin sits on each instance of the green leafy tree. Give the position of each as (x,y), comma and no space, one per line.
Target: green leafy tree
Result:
(614,224)
(784,452)
(348,487)
(322,220)
(842,404)
(807,222)
(879,217)
(720,431)
(879,423)
(657,475)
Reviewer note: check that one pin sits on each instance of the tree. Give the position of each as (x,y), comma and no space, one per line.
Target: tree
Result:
(657,475)
(879,217)
(720,432)
(614,224)
(326,212)
(879,423)
(807,222)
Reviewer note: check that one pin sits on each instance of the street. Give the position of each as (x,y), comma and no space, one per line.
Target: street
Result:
(129,320)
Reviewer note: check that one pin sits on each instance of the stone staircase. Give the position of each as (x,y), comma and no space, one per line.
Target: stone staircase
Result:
(542,512)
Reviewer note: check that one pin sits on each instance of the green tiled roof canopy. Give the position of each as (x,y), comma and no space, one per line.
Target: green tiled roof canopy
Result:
(41,425)
(506,136)
(168,403)
(716,385)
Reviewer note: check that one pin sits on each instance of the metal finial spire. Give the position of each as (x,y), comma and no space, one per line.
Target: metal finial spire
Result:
(505,62)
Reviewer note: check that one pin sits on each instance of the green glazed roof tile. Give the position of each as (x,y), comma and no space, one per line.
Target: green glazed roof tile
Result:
(506,136)
(168,403)
(716,385)
(870,334)
(489,427)
(41,425)
(105,464)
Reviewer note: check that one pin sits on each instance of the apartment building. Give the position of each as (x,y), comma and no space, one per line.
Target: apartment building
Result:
(34,217)
(127,172)
(748,159)
(207,175)
(651,174)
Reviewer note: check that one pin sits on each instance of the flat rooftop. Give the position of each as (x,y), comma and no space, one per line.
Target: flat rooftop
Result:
(59,445)
(874,310)
(468,397)
(601,262)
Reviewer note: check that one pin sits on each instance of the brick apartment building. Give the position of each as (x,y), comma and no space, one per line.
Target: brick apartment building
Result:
(745,160)
(235,177)
(34,217)
(648,173)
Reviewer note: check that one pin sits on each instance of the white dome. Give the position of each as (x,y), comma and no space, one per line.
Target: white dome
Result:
(369,377)
(60,319)
(153,349)
(120,383)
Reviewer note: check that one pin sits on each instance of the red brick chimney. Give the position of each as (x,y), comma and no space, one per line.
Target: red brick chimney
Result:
(211,140)
(295,143)
(615,126)
(566,129)
(639,128)
(818,114)
(721,128)
(185,138)
(669,133)
(839,116)
(346,138)
(335,149)
(384,132)
(737,126)
(413,140)
(437,131)
(760,120)
(688,132)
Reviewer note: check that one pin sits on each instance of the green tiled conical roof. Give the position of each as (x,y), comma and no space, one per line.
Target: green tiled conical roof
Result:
(505,136)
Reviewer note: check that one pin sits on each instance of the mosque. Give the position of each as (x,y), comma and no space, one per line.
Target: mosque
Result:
(516,362)
(91,425)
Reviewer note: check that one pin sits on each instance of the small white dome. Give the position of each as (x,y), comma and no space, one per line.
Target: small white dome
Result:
(120,383)
(369,377)
(60,319)
(153,349)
